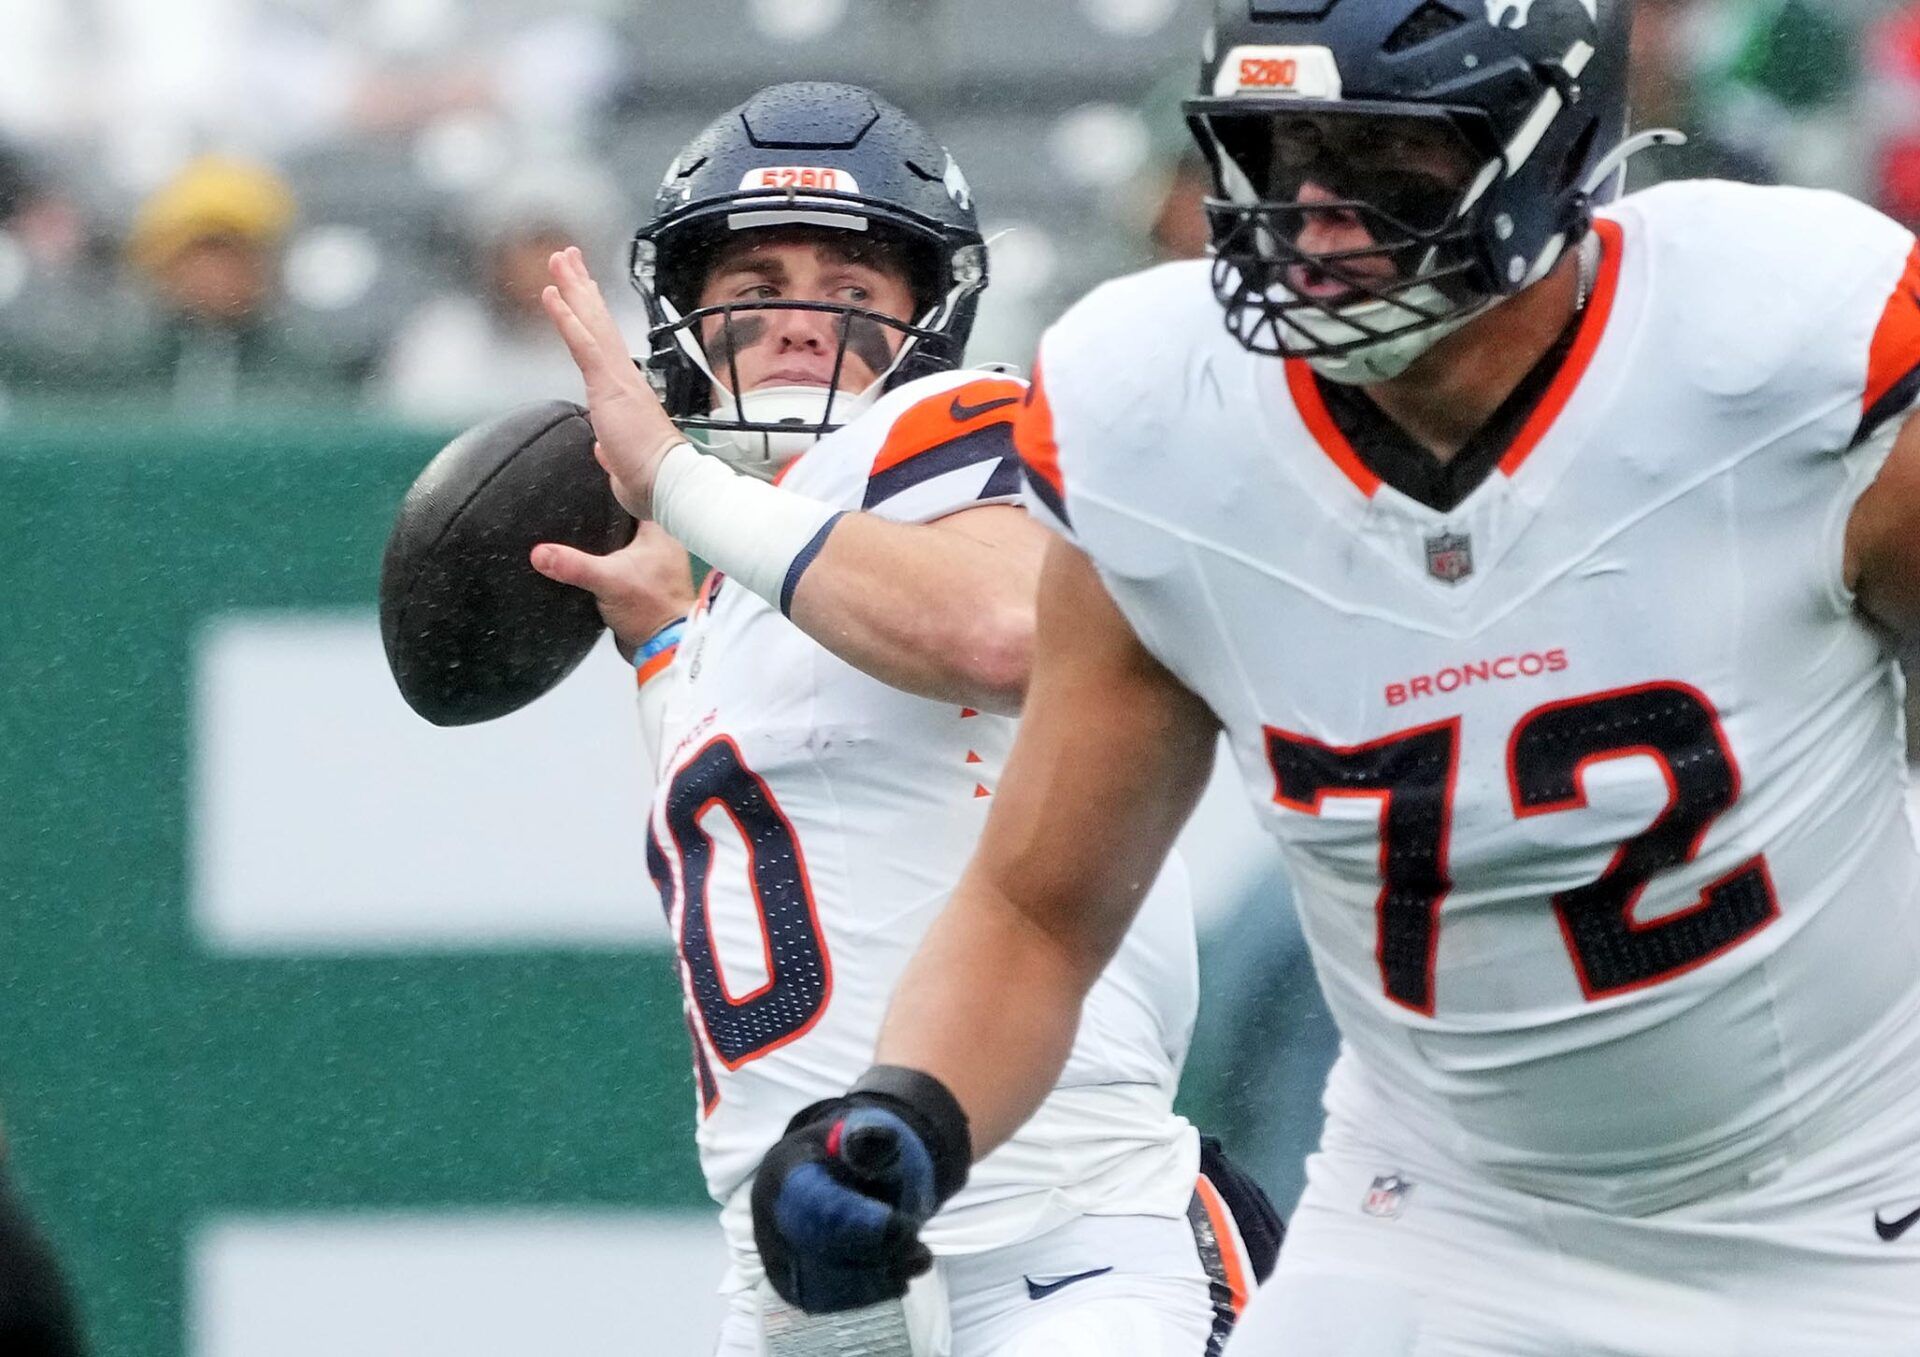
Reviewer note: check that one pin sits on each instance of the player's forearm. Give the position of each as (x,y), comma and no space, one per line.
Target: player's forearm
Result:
(932,611)
(989,1006)
(1110,760)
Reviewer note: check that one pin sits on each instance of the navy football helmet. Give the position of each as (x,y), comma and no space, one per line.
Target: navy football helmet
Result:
(808,155)
(1470,138)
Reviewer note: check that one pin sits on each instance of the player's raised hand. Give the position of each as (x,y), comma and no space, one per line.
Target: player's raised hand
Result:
(640,588)
(838,1205)
(633,429)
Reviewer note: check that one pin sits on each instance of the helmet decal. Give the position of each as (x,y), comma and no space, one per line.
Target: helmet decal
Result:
(1304,72)
(957,186)
(810,178)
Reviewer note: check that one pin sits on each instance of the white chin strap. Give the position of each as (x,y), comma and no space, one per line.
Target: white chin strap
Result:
(1398,346)
(765,455)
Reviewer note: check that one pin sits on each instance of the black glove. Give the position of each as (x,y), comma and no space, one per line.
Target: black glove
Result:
(839,1201)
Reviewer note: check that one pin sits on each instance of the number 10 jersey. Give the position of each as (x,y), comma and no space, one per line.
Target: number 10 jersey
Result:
(809,824)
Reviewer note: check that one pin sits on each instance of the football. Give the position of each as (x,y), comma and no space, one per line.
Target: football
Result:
(472,631)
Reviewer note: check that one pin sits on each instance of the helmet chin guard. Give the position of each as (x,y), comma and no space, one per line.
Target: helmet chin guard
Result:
(1381,359)
(749,436)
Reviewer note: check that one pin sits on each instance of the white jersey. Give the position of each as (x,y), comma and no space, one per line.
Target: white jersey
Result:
(810,822)
(1592,783)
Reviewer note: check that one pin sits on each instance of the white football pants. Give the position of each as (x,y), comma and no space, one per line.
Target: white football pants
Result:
(1100,1286)
(1395,1259)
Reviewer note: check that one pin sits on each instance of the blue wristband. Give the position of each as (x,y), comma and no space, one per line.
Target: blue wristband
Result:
(661,641)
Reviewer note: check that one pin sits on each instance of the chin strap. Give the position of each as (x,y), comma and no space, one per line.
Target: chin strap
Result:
(1615,160)
(1589,271)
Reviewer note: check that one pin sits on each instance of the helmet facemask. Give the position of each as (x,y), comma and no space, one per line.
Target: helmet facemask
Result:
(696,349)
(1347,237)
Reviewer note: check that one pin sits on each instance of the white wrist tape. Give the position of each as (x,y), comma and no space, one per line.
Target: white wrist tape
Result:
(756,534)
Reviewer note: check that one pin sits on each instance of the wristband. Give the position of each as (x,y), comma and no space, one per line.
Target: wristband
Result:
(662,640)
(929,1107)
(656,653)
(758,535)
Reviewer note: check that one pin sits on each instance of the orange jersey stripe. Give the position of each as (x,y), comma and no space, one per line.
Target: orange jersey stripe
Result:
(1033,438)
(1313,409)
(1896,343)
(1227,1236)
(1592,326)
(951,415)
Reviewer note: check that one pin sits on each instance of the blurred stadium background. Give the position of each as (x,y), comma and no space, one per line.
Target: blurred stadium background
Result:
(322,1031)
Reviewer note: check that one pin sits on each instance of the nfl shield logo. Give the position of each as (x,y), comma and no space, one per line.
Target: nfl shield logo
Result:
(1450,557)
(1387,1197)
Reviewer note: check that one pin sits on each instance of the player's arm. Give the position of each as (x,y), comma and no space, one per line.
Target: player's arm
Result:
(1111,757)
(944,610)
(1883,538)
(937,609)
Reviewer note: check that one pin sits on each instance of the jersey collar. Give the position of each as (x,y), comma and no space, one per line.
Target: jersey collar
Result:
(1371,451)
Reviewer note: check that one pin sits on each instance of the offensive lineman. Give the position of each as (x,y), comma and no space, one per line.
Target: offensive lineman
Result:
(1540,564)
(812,274)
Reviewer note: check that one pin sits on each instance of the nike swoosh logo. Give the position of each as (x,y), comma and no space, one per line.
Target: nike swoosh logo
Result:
(1888,1230)
(966,414)
(1040,1291)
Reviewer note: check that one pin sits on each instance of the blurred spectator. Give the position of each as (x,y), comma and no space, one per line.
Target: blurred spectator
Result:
(1174,181)
(144,83)
(1781,84)
(56,306)
(1669,55)
(206,249)
(41,222)
(1180,228)
(467,355)
(1893,63)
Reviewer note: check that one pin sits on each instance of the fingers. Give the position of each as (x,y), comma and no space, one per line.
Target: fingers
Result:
(869,1146)
(579,340)
(568,268)
(818,1214)
(568,566)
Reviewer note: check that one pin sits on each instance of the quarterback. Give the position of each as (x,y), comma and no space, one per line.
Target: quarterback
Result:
(1540,555)
(829,726)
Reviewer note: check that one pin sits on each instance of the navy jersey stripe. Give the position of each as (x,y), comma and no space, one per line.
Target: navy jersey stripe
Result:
(808,554)
(1044,492)
(994,442)
(1896,402)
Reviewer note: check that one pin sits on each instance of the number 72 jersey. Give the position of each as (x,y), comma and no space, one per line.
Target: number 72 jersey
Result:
(1591,780)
